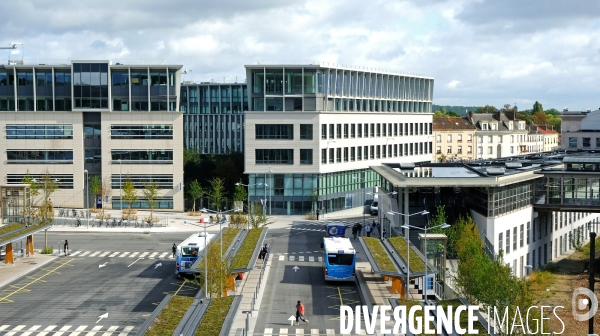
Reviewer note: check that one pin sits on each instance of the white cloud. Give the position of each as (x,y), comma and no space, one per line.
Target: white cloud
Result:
(502,51)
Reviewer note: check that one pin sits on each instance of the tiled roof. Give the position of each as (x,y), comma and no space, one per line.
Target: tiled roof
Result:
(454,123)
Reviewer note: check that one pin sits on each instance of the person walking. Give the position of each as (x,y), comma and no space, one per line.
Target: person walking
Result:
(300,313)
(373,227)
(66,248)
(263,252)
(360,227)
(354,231)
(368,230)
(383,234)
(174,248)
(318,212)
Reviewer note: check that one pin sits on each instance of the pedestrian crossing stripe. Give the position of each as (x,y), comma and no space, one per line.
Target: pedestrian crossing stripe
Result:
(299,332)
(109,254)
(67,330)
(301,258)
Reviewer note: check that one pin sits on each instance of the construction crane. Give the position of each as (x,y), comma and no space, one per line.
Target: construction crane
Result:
(12,46)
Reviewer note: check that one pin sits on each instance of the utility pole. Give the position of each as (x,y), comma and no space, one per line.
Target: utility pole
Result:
(591,277)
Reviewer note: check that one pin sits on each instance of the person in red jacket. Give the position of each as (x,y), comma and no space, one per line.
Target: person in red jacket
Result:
(300,313)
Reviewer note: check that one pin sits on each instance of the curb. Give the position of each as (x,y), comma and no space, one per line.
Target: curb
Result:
(4,283)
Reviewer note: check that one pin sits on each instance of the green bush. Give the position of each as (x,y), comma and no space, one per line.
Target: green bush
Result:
(381,257)
(48,250)
(213,319)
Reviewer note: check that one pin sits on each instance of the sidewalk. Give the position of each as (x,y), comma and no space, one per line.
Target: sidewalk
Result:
(22,267)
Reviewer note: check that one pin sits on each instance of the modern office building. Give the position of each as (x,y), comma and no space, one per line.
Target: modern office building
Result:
(110,119)
(530,209)
(580,129)
(213,115)
(316,129)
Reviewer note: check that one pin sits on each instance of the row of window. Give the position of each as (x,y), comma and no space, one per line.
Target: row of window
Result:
(141,131)
(490,138)
(39,156)
(62,181)
(42,104)
(283,131)
(142,156)
(164,181)
(345,131)
(585,142)
(43,78)
(39,131)
(458,151)
(282,156)
(351,154)
(140,77)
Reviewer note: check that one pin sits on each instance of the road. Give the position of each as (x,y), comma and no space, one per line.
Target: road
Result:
(73,292)
(300,246)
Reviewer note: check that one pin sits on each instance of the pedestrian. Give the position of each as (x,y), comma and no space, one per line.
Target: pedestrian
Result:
(263,252)
(318,212)
(360,227)
(300,313)
(383,234)
(354,231)
(368,230)
(174,248)
(66,248)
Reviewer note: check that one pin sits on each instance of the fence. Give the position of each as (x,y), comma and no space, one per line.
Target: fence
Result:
(109,223)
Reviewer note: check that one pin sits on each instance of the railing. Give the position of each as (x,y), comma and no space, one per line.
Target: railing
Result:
(258,285)
(439,290)
(489,248)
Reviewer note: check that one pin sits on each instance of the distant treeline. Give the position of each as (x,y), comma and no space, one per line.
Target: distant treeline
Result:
(458,109)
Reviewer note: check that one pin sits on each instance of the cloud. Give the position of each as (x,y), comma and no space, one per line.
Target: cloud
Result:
(502,51)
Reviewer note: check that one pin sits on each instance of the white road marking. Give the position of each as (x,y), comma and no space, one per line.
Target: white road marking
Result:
(133,254)
(320,259)
(2,327)
(81,328)
(104,254)
(95,329)
(299,332)
(34,328)
(126,331)
(95,253)
(134,262)
(311,258)
(84,253)
(153,255)
(124,254)
(114,254)
(163,255)
(43,333)
(19,327)
(292,258)
(143,254)
(314,331)
(301,258)
(281,258)
(268,332)
(110,331)
(75,253)
(283,331)
(50,328)
(330,332)
(65,328)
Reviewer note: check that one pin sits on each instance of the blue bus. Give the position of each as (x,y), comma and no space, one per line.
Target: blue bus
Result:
(339,259)
(187,252)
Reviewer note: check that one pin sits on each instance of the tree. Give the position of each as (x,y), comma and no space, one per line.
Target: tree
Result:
(540,118)
(442,158)
(438,219)
(129,192)
(314,198)
(150,192)
(218,270)
(537,107)
(34,192)
(453,114)
(41,212)
(95,186)
(216,193)
(105,191)
(257,217)
(486,109)
(240,194)
(194,192)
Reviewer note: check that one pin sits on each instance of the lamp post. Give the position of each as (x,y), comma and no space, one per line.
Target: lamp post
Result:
(443,226)
(120,186)
(248,186)
(220,222)
(526,270)
(87,197)
(379,206)
(270,189)
(424,212)
(364,196)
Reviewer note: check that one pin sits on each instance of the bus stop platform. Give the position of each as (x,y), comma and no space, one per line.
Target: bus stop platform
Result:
(22,266)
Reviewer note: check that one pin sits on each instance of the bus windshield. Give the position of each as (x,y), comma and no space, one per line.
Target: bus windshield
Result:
(340,259)
(189,251)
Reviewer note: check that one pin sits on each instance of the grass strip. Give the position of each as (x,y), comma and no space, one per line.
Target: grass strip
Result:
(168,319)
(416,263)
(464,316)
(381,257)
(10,227)
(29,229)
(213,319)
(228,235)
(242,258)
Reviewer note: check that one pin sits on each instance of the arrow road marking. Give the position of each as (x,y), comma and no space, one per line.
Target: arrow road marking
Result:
(295,268)
(105,315)
(100,266)
(292,319)
(157,265)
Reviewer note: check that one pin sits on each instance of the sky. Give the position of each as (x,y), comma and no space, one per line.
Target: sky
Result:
(478,52)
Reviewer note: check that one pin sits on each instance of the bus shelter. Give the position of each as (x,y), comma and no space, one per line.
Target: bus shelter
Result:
(14,202)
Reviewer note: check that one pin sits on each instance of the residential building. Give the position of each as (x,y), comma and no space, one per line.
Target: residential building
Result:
(454,139)
(213,116)
(498,134)
(529,210)
(548,139)
(113,120)
(580,129)
(316,129)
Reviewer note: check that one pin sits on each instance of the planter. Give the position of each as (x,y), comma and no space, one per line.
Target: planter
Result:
(310,216)
(194,213)
(154,219)
(99,216)
(95,210)
(129,212)
(129,217)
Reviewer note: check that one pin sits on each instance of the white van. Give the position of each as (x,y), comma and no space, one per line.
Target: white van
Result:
(374,206)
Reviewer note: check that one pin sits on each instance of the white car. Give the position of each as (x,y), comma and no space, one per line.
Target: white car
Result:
(374,206)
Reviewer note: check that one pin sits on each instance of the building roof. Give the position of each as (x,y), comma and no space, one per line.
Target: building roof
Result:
(453,123)
(500,118)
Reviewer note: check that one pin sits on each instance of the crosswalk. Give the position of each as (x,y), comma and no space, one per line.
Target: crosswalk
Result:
(302,332)
(111,254)
(301,258)
(66,330)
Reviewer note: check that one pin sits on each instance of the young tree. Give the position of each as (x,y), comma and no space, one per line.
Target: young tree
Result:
(219,270)
(314,198)
(95,187)
(105,192)
(129,192)
(216,194)
(194,192)
(150,192)
(34,192)
(540,118)
(257,217)
(240,195)
(43,214)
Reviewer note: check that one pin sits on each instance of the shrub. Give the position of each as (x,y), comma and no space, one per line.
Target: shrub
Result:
(48,250)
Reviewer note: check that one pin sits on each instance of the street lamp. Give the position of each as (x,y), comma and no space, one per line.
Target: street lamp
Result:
(120,185)
(443,226)
(526,270)
(248,186)
(220,222)
(379,206)
(87,197)
(270,189)
(424,212)
(364,195)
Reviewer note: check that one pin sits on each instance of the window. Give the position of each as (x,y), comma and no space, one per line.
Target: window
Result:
(275,131)
(469,150)
(353,131)
(338,129)
(345,131)
(366,128)
(484,126)
(512,139)
(378,148)
(500,235)
(39,157)
(338,155)
(395,129)
(372,133)
(306,131)
(469,138)
(360,130)
(491,139)
(383,129)
(459,150)
(438,150)
(402,128)
(65,181)
(353,154)
(324,156)
(141,131)
(438,138)
(512,150)
(359,152)
(449,138)
(597,142)
(459,138)
(480,150)
(515,238)
(481,139)
(274,156)
(383,152)
(490,150)
(494,126)
(164,181)
(521,236)
(39,131)
(331,155)
(586,142)
(306,156)
(572,142)
(449,150)
(507,242)
(324,131)
(159,156)
(345,154)
(372,152)
(411,128)
(331,131)
(142,203)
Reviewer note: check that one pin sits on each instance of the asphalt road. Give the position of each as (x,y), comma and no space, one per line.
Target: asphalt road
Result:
(286,285)
(75,291)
